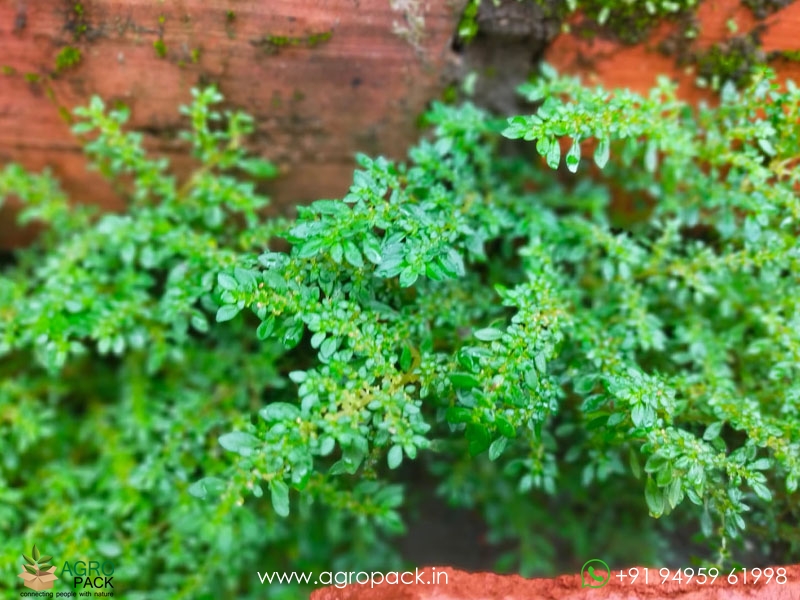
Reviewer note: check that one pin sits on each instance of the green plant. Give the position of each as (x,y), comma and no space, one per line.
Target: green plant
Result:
(68,57)
(697,307)
(160,48)
(542,355)
(35,564)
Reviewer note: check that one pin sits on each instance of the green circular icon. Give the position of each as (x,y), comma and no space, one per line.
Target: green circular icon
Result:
(591,578)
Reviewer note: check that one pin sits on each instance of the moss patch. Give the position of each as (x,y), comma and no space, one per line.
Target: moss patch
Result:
(230,21)
(763,8)
(160,47)
(77,22)
(272,44)
(632,22)
(629,21)
(792,55)
(67,58)
(732,60)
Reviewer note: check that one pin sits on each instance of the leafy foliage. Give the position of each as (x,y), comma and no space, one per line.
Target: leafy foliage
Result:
(180,387)
(35,564)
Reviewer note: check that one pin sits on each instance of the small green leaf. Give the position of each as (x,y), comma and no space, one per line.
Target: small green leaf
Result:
(452,263)
(298,376)
(434,271)
(266,328)
(35,553)
(651,156)
(279,494)
(573,157)
(766,146)
(594,403)
(352,255)
(464,380)
(279,411)
(554,154)
(208,486)
(372,249)
(200,323)
(602,151)
(543,145)
(317,339)
(31,570)
(675,492)
(337,253)
(654,498)
(258,168)
(240,442)
(752,230)
(636,466)
(655,463)
(227,282)
(488,334)
(328,347)
(245,278)
(227,312)
(293,335)
(497,447)
(395,456)
(458,414)
(335,208)
(762,464)
(762,491)
(531,379)
(505,428)
(405,359)
(326,445)
(311,248)
(639,415)
(478,437)
(274,281)
(408,277)
(712,431)
(540,360)
(466,359)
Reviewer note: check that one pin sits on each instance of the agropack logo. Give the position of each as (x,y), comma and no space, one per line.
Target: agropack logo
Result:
(91,576)
(37,572)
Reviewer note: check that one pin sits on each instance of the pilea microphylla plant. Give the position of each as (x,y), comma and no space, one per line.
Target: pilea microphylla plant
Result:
(197,393)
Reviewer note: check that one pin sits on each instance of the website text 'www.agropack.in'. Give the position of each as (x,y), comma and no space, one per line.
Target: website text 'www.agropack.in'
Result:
(341,579)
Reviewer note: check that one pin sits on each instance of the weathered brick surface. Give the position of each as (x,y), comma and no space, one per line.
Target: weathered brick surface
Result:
(615,65)
(316,102)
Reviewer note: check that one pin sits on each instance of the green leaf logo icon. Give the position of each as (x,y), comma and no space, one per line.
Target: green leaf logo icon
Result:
(36,564)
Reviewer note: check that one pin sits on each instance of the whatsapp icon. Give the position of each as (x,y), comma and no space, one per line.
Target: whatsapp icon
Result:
(595,574)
